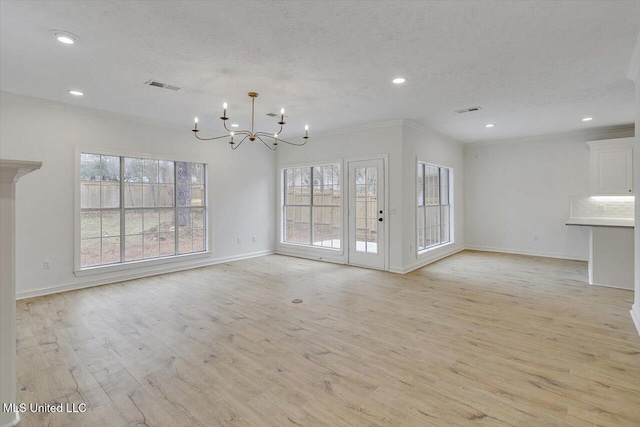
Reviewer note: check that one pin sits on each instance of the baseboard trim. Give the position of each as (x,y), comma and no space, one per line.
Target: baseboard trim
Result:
(635,315)
(426,261)
(528,253)
(137,275)
(611,286)
(311,256)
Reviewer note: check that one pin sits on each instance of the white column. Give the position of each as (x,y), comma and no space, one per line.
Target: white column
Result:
(10,172)
(634,75)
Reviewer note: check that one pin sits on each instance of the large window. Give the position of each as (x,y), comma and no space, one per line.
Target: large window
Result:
(311,213)
(434,210)
(135,209)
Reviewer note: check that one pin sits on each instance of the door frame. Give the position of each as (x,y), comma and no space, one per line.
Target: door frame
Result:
(387,215)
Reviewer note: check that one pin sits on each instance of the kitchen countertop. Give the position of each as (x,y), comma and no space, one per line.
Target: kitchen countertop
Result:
(602,222)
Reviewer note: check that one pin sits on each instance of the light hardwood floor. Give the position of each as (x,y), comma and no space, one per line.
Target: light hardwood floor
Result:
(474,339)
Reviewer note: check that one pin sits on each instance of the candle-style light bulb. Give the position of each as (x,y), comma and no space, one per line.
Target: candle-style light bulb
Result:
(224,113)
(275,136)
(306,131)
(282,114)
(195,126)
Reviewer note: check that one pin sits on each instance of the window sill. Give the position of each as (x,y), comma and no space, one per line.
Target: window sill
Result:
(133,265)
(295,246)
(310,250)
(424,252)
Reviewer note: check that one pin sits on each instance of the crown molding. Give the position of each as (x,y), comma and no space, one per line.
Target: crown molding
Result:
(608,132)
(359,128)
(12,170)
(422,128)
(634,66)
(58,105)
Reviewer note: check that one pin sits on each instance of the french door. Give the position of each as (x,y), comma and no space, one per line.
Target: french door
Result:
(366,213)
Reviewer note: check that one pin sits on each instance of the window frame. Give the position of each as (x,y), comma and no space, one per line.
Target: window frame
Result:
(421,208)
(283,205)
(79,270)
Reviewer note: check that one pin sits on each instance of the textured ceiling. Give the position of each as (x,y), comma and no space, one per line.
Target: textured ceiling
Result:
(534,67)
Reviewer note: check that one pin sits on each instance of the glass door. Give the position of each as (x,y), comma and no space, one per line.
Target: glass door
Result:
(366,213)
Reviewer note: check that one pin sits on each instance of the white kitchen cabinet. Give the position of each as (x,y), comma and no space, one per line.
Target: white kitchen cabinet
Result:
(612,166)
(611,257)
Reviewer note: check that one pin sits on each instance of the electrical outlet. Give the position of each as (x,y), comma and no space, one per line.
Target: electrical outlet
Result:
(239,240)
(46,264)
(253,238)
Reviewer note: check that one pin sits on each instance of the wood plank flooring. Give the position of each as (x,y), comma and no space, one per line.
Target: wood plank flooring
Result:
(475,339)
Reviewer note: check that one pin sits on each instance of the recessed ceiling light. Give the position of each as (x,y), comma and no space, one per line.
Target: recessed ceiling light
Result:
(65,40)
(399,80)
(75,93)
(587,119)
(235,125)
(489,125)
(64,37)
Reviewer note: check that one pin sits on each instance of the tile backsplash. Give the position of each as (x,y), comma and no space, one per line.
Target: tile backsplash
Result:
(602,207)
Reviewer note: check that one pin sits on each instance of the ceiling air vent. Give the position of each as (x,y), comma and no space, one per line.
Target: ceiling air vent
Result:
(162,85)
(271,114)
(468,110)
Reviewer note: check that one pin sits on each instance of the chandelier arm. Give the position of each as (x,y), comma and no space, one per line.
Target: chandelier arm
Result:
(268,135)
(297,144)
(224,123)
(267,145)
(210,139)
(235,146)
(236,132)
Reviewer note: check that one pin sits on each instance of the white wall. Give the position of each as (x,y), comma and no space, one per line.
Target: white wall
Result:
(372,140)
(423,144)
(517,189)
(403,141)
(241,186)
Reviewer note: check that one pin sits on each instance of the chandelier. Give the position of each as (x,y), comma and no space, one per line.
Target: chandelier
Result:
(272,139)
